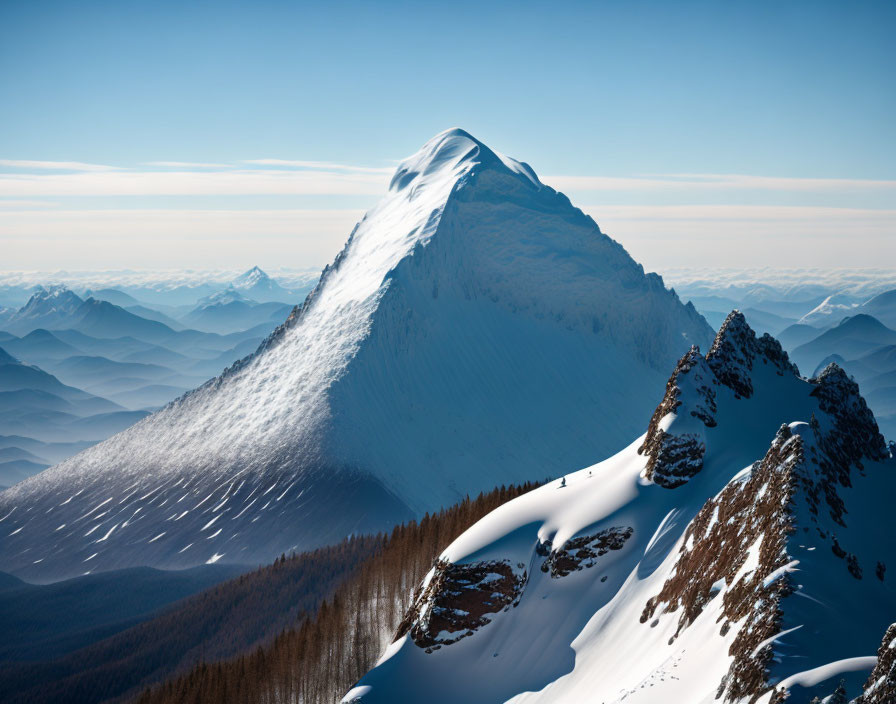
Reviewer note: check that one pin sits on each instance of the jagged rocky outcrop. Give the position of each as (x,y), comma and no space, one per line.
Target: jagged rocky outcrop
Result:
(881,685)
(736,350)
(583,552)
(765,593)
(674,456)
(454,601)
(749,521)
(850,435)
(673,459)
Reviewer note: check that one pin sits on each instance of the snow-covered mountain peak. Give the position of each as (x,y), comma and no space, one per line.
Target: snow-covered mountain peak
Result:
(450,154)
(257,285)
(52,295)
(250,278)
(470,298)
(46,304)
(829,310)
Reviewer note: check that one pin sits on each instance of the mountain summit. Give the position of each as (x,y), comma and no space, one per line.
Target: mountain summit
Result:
(46,307)
(476,329)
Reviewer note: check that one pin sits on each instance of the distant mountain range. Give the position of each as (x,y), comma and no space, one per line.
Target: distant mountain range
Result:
(36,405)
(846,327)
(78,369)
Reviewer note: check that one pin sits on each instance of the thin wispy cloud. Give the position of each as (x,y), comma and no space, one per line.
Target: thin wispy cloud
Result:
(194,183)
(299,177)
(663,219)
(717,182)
(186,165)
(658,236)
(762,235)
(742,213)
(12,204)
(109,238)
(319,165)
(55,165)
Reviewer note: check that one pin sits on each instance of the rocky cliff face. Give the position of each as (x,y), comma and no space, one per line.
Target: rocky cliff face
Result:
(738,540)
(456,600)
(769,590)
(881,685)
(673,458)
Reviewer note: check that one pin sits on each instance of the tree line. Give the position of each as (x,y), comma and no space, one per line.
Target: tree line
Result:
(320,659)
(221,622)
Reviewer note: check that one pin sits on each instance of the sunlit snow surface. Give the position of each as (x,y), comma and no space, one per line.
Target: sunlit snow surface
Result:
(472,332)
(580,638)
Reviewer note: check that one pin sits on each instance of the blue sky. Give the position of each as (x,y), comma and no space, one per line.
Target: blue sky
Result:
(158,132)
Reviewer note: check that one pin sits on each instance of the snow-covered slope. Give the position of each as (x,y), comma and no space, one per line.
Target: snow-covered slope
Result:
(739,549)
(477,329)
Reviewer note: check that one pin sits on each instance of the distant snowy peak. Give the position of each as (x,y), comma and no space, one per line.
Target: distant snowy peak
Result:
(834,309)
(253,277)
(829,311)
(257,285)
(47,301)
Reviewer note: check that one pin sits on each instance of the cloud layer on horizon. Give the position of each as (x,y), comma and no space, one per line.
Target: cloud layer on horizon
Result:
(168,213)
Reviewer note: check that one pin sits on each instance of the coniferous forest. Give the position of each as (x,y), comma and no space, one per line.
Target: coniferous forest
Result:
(318,660)
(302,629)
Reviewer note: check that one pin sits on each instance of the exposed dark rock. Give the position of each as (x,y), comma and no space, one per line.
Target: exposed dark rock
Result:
(458,600)
(731,355)
(837,550)
(852,564)
(581,553)
(881,685)
(849,435)
(673,459)
(754,514)
(839,695)
(735,351)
